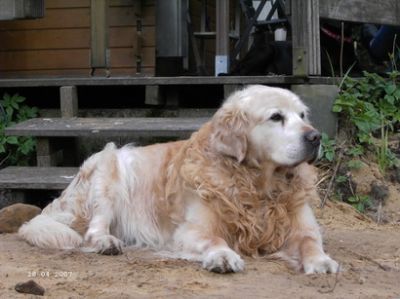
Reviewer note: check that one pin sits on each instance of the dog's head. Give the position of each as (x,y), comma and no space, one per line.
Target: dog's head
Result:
(266,124)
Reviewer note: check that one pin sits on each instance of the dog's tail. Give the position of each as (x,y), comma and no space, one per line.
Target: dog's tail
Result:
(46,232)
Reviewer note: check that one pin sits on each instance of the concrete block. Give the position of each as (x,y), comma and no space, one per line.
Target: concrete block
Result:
(320,99)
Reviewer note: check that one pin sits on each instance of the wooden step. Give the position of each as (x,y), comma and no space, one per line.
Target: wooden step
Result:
(143,81)
(107,127)
(46,178)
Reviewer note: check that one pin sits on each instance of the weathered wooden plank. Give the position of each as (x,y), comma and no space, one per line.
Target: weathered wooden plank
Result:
(305,37)
(222,37)
(166,81)
(67,4)
(153,95)
(51,178)
(125,57)
(361,11)
(44,59)
(81,72)
(99,34)
(69,101)
(86,3)
(61,59)
(71,38)
(54,18)
(80,127)
(46,153)
(80,18)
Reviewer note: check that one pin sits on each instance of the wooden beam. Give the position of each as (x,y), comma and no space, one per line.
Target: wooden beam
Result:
(69,101)
(378,12)
(183,80)
(54,178)
(99,34)
(103,127)
(222,38)
(46,153)
(306,38)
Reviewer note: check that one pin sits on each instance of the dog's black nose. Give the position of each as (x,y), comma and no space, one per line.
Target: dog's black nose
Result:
(313,137)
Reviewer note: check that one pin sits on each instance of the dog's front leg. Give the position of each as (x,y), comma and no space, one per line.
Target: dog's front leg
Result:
(306,242)
(98,238)
(214,253)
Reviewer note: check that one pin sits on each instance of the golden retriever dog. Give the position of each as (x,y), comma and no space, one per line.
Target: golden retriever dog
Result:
(239,186)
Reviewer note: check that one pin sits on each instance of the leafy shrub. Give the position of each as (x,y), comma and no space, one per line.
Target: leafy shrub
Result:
(372,105)
(15,150)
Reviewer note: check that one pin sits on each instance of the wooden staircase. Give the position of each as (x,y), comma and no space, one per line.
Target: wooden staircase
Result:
(55,136)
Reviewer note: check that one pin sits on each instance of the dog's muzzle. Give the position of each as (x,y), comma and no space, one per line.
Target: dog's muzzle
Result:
(312,140)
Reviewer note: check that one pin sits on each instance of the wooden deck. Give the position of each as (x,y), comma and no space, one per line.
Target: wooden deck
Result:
(107,127)
(205,80)
(34,178)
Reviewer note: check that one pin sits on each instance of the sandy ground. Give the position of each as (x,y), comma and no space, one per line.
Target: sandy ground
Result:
(369,256)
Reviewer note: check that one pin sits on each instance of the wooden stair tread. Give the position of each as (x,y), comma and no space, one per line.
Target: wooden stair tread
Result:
(119,127)
(49,178)
(183,80)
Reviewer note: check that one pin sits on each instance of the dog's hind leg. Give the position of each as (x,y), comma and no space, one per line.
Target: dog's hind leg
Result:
(98,237)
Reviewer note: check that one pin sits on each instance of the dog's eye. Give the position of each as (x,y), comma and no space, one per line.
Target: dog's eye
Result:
(276,117)
(302,115)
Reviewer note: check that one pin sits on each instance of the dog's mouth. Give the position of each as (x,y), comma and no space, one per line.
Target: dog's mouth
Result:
(313,155)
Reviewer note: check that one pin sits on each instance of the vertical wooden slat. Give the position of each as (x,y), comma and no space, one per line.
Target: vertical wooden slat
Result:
(69,101)
(99,34)
(306,38)
(46,154)
(222,38)
(139,36)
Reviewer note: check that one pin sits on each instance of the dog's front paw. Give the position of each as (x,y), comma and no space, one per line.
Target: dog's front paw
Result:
(320,264)
(107,245)
(223,261)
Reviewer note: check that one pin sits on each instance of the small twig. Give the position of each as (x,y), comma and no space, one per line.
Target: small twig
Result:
(334,285)
(368,259)
(328,191)
(5,159)
(341,48)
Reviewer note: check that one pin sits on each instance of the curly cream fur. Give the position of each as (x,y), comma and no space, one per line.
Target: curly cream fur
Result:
(239,185)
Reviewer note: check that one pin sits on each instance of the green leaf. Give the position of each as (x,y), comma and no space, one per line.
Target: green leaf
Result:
(356,151)
(2,148)
(390,99)
(336,108)
(18,98)
(15,105)
(12,140)
(6,97)
(389,89)
(355,164)
(360,207)
(341,179)
(353,199)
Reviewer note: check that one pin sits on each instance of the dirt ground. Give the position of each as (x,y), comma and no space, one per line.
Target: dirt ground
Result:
(369,256)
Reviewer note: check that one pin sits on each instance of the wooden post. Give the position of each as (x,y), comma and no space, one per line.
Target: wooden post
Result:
(46,154)
(306,38)
(69,101)
(230,88)
(222,37)
(153,95)
(99,34)
(139,36)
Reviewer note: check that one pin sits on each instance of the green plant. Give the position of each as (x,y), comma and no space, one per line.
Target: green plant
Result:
(15,150)
(360,202)
(355,164)
(372,105)
(327,147)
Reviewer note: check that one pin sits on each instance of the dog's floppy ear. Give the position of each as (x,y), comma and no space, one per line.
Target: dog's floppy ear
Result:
(229,133)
